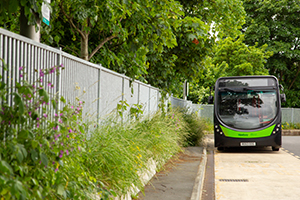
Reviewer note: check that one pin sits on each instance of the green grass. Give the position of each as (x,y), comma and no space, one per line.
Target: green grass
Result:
(116,153)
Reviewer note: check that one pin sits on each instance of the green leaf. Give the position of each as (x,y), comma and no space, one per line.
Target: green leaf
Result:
(44,94)
(18,100)
(53,103)
(34,155)
(44,159)
(35,182)
(60,189)
(5,167)
(23,134)
(19,156)
(34,144)
(62,99)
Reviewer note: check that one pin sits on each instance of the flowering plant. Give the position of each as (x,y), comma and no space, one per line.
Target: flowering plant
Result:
(38,142)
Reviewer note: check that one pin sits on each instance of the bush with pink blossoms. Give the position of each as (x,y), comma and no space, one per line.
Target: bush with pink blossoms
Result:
(37,146)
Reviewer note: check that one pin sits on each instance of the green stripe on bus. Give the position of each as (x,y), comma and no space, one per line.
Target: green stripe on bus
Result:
(240,134)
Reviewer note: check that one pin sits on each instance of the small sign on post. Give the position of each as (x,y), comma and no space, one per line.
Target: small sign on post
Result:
(46,12)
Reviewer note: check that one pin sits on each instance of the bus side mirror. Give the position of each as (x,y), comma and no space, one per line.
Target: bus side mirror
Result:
(210,99)
(282,97)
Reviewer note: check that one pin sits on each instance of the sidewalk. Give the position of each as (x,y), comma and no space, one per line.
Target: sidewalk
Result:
(260,174)
(181,178)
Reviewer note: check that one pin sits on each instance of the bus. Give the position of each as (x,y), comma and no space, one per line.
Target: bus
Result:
(247,112)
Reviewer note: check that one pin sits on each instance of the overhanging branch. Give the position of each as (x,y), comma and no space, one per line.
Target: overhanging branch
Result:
(101,45)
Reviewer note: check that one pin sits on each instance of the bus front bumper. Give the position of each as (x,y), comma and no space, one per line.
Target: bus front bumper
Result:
(223,141)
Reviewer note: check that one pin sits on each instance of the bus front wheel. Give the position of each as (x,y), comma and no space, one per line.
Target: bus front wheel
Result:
(275,148)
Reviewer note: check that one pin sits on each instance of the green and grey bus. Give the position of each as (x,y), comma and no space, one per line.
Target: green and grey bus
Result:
(247,112)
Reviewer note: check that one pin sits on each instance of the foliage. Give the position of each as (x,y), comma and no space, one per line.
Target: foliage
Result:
(195,126)
(47,153)
(39,147)
(32,9)
(118,153)
(289,126)
(232,57)
(275,23)
(161,43)
(198,28)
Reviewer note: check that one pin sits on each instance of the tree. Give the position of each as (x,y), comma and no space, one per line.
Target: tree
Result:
(159,42)
(201,24)
(232,57)
(276,23)
(29,12)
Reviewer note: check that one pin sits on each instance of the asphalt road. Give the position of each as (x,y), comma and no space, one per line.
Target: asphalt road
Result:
(292,144)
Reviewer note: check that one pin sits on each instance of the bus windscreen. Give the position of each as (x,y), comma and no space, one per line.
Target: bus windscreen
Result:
(247,109)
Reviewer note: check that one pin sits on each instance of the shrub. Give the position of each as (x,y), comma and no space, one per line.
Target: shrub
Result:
(288,126)
(195,127)
(37,150)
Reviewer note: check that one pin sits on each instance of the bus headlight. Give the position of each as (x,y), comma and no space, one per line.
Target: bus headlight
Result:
(276,129)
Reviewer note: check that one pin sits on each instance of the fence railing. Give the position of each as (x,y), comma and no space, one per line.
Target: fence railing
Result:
(100,88)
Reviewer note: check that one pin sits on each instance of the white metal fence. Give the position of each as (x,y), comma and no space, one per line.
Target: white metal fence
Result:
(100,88)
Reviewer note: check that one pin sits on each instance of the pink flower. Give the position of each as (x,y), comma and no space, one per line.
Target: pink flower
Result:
(41,73)
(45,115)
(59,120)
(70,131)
(67,152)
(56,170)
(20,68)
(37,125)
(21,75)
(56,115)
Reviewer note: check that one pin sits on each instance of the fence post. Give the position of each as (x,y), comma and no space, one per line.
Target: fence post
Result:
(58,80)
(99,95)
(292,115)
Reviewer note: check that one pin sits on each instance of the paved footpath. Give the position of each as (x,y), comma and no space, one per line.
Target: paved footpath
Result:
(259,174)
(178,180)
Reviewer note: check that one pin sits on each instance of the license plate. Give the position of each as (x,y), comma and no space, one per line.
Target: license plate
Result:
(248,144)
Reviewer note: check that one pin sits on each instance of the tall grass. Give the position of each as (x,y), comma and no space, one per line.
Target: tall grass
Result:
(116,153)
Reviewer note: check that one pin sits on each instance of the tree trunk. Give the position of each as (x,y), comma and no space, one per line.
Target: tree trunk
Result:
(29,30)
(84,47)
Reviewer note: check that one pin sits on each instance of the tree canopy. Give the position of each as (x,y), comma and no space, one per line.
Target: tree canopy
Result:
(276,23)
(161,43)
(232,57)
